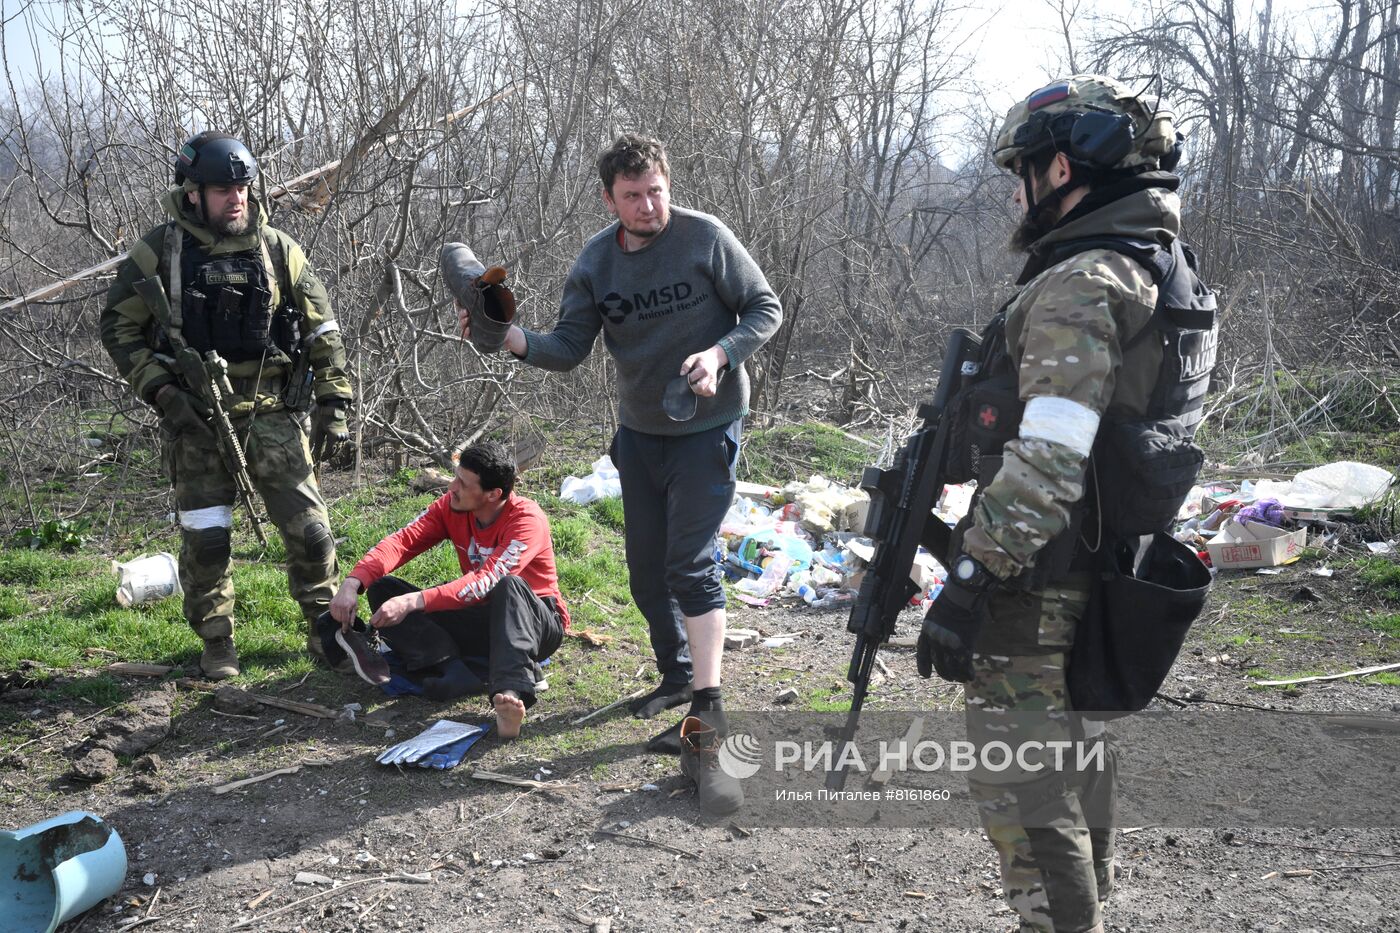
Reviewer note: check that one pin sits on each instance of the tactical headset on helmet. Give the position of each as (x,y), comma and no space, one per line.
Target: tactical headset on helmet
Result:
(1099,124)
(214,158)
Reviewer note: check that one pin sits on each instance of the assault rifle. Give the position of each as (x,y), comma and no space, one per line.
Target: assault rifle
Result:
(207,378)
(899,520)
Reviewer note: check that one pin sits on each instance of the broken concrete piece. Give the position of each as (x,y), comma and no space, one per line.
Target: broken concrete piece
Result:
(740,638)
(786,695)
(310,877)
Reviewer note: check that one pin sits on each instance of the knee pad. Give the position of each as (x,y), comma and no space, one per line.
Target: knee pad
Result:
(212,546)
(317,540)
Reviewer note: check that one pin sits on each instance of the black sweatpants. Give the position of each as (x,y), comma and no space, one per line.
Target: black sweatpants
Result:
(675,493)
(512,627)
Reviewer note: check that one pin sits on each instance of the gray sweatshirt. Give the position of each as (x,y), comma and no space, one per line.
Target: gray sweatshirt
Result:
(692,287)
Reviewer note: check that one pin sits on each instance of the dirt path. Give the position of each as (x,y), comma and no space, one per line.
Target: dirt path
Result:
(510,858)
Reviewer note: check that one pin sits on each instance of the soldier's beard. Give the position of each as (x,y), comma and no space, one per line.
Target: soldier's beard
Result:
(1035,224)
(1031,229)
(233,227)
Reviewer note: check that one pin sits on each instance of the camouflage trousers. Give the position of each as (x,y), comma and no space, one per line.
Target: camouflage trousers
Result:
(279,464)
(1052,823)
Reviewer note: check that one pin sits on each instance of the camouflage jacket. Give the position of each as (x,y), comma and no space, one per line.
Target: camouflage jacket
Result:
(1065,331)
(130,331)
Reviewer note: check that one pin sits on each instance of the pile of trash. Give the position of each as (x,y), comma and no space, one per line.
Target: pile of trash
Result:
(803,540)
(1265,524)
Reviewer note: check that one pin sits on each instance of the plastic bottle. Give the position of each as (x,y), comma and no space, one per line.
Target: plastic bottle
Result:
(808,593)
(834,599)
(772,578)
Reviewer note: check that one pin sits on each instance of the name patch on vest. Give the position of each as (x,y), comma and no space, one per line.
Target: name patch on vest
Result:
(1198,354)
(226,278)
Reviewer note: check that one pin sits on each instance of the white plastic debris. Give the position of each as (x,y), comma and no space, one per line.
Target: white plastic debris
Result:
(602,483)
(1341,485)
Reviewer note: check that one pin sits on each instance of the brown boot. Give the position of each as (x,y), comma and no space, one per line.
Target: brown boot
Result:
(719,792)
(219,660)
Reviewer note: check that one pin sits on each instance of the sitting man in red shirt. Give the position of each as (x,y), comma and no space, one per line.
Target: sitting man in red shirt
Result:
(506,605)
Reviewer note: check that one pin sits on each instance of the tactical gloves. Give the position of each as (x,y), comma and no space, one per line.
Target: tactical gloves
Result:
(182,413)
(330,431)
(950,627)
(482,292)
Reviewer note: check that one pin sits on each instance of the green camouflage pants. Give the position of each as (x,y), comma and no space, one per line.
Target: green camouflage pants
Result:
(1052,825)
(279,463)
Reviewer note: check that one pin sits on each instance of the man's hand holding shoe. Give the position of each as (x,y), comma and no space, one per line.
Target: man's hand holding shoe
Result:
(951,625)
(330,431)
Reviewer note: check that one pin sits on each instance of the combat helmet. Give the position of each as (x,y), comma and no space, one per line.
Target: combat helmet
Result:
(1097,122)
(214,158)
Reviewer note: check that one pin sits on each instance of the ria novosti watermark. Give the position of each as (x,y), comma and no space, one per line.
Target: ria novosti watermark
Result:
(1187,768)
(739,757)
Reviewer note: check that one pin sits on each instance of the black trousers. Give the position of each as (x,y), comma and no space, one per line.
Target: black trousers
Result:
(513,628)
(675,493)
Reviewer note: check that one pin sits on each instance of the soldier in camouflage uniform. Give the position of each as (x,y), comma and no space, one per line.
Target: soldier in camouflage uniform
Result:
(1093,161)
(245,290)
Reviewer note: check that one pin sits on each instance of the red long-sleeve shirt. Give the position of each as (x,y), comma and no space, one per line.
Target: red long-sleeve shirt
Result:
(517,542)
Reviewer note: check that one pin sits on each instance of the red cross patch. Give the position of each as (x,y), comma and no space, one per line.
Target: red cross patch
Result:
(987,416)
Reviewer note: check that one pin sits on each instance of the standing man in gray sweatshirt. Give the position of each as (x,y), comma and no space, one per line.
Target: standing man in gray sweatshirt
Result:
(674,294)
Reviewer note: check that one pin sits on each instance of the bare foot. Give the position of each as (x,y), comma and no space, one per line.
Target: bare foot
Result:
(510,713)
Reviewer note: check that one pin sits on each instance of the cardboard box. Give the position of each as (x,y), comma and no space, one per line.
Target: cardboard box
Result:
(1238,546)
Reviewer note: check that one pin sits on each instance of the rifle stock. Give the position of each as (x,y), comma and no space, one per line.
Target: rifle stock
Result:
(207,378)
(899,520)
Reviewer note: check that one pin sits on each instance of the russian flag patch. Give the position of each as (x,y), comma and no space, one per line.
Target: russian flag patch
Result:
(1052,94)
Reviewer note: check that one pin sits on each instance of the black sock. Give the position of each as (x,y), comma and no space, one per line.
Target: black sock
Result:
(665,696)
(456,680)
(705,699)
(707,705)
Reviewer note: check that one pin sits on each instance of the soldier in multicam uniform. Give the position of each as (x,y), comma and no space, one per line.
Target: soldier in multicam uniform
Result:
(245,290)
(1062,366)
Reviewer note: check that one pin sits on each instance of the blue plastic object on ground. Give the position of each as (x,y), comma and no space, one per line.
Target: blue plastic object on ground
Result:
(794,547)
(52,871)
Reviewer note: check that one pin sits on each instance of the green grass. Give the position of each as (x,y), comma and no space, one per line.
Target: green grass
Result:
(1381,575)
(54,607)
(1387,623)
(794,452)
(1386,678)
(1300,636)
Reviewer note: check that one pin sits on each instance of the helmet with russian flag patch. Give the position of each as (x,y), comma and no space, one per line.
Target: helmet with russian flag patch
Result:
(1096,121)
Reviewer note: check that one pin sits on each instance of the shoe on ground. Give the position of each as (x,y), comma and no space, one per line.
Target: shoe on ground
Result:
(719,792)
(219,661)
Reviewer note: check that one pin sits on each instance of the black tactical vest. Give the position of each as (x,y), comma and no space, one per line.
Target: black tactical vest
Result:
(226,305)
(1140,468)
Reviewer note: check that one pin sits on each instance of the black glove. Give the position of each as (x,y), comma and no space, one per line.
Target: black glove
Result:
(182,413)
(950,628)
(330,432)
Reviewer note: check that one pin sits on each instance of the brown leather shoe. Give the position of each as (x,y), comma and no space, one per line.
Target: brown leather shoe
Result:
(718,791)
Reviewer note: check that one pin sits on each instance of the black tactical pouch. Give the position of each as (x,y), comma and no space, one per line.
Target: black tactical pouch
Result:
(1143,471)
(1135,624)
(985,417)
